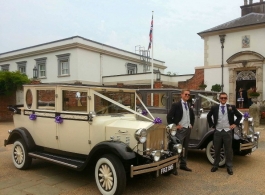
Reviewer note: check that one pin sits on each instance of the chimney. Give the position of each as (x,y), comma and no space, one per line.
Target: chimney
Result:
(258,7)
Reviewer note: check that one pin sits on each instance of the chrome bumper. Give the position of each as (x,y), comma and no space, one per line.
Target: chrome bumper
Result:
(252,145)
(156,166)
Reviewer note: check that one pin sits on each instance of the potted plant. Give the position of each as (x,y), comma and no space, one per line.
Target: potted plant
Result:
(254,95)
(216,88)
(202,86)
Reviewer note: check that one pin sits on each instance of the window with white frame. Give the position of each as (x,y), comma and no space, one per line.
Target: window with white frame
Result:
(63,64)
(5,67)
(21,66)
(131,68)
(41,66)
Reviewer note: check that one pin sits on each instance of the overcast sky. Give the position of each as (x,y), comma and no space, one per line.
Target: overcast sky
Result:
(119,23)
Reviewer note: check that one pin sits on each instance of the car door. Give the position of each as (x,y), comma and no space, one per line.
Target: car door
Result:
(73,131)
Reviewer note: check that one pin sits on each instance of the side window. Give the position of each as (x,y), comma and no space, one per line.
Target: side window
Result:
(41,66)
(74,101)
(159,100)
(103,106)
(21,66)
(131,68)
(46,99)
(175,98)
(64,64)
(5,67)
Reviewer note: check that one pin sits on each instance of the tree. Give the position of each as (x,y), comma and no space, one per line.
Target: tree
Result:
(11,81)
(216,88)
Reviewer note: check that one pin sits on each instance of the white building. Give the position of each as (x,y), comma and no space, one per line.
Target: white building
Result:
(243,52)
(78,59)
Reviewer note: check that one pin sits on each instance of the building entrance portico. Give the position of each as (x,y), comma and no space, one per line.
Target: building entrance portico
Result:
(245,70)
(244,81)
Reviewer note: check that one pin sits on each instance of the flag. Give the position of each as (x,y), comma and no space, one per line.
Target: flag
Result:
(151,34)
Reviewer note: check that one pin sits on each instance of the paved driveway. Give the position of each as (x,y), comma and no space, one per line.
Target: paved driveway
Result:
(46,178)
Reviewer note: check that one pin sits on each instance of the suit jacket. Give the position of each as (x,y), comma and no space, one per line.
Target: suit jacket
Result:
(176,112)
(232,112)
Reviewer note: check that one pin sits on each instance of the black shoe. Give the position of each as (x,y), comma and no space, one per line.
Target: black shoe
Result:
(185,168)
(214,169)
(230,171)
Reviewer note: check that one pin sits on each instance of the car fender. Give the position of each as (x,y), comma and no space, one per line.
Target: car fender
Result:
(204,141)
(23,133)
(117,148)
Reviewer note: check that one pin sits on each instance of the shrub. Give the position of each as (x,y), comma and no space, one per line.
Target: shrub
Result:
(11,81)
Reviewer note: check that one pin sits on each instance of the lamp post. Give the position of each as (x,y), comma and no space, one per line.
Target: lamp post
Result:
(222,40)
(35,72)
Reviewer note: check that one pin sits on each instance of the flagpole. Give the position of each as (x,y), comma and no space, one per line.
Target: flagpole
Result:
(152,69)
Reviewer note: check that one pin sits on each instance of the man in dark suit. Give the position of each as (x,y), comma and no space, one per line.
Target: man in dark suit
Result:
(223,122)
(183,116)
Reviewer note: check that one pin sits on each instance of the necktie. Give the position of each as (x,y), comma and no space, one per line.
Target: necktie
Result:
(185,105)
(223,109)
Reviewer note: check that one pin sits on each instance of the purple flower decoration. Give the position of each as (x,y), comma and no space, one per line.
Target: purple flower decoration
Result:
(33,117)
(157,120)
(58,119)
(144,112)
(246,115)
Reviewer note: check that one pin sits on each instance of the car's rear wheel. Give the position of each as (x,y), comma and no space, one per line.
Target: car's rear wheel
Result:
(210,154)
(110,175)
(20,156)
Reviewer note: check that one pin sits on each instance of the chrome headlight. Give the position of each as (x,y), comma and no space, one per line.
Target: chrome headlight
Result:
(140,135)
(172,129)
(178,148)
(156,154)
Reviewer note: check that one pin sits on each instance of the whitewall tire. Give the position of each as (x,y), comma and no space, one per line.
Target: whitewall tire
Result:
(110,175)
(20,156)
(210,154)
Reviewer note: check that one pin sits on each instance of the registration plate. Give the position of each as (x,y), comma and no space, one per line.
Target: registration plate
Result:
(254,148)
(166,169)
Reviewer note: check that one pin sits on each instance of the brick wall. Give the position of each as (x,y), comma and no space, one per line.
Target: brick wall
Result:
(194,82)
(5,114)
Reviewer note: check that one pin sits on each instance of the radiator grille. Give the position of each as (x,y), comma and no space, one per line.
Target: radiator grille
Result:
(157,137)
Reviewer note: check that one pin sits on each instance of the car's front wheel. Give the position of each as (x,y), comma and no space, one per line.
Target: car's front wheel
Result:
(110,175)
(20,156)
(210,154)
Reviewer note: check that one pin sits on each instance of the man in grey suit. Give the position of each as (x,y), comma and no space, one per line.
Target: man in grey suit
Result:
(183,116)
(223,122)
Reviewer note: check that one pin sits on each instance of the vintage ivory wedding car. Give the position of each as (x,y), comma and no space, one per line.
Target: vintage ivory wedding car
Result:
(80,126)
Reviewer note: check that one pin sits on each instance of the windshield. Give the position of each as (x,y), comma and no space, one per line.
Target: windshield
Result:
(103,106)
(208,100)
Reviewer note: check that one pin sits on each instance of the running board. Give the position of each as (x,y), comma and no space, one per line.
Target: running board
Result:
(73,163)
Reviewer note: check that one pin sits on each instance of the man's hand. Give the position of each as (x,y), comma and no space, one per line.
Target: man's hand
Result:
(179,127)
(233,126)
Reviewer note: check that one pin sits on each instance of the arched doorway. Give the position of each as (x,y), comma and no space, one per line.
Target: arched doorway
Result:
(245,80)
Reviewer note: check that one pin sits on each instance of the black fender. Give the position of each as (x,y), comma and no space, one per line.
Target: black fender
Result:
(117,148)
(23,133)
(204,141)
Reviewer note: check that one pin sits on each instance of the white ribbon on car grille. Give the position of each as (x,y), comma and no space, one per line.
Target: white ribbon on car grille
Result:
(122,106)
